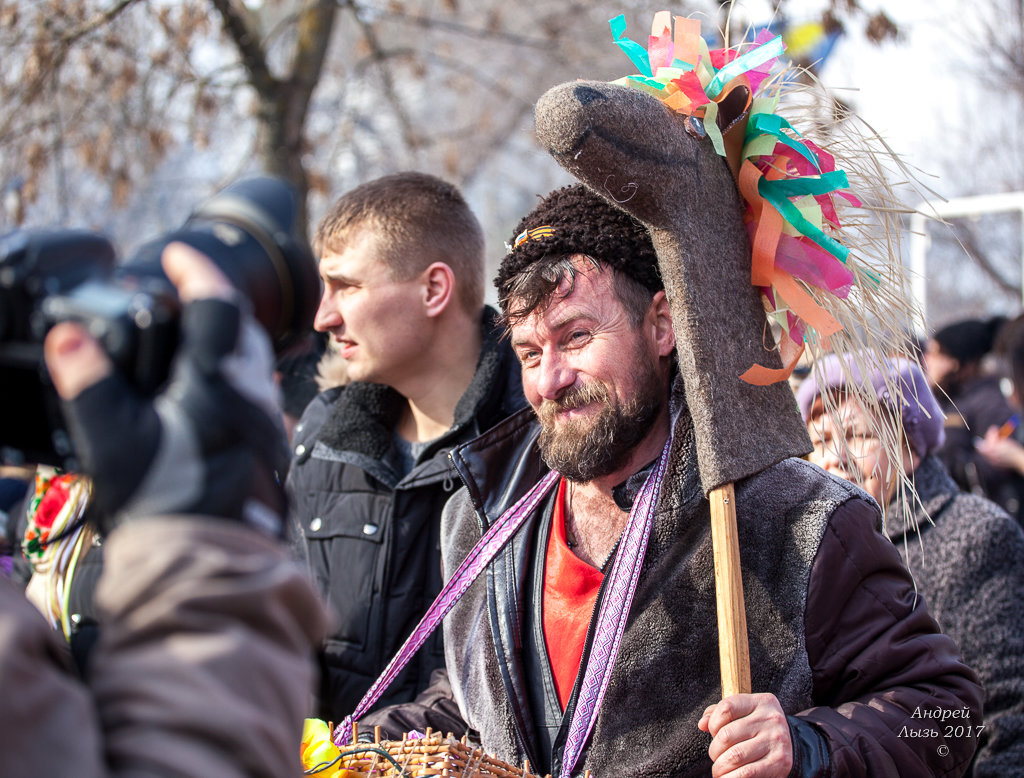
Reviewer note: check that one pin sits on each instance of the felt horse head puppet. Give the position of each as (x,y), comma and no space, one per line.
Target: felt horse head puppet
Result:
(723,185)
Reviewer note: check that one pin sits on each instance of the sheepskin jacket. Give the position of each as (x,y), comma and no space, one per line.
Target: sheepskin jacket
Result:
(967,556)
(836,630)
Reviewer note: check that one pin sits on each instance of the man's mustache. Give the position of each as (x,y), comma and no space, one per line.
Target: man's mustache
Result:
(575,397)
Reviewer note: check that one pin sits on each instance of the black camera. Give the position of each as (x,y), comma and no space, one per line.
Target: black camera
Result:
(250,230)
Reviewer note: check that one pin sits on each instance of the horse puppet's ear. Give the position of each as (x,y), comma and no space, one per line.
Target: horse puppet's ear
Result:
(732,118)
(664,170)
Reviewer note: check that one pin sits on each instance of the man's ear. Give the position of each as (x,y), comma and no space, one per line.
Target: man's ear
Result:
(659,319)
(438,288)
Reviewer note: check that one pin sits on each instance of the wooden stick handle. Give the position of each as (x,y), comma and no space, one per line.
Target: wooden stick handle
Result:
(733,650)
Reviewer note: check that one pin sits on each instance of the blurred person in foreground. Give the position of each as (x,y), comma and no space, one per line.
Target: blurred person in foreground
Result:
(973,402)
(402,263)
(204,664)
(965,552)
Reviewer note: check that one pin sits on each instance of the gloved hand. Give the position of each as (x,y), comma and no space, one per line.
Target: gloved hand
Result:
(211,443)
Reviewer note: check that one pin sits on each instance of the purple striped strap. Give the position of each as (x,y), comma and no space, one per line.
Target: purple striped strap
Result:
(475,562)
(612,616)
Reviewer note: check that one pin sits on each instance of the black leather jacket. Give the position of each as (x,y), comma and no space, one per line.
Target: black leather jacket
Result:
(369,534)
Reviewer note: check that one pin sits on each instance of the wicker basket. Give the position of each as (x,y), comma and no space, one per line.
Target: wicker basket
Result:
(432,754)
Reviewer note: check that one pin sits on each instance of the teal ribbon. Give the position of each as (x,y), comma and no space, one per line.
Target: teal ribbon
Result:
(651,82)
(752,59)
(792,215)
(634,51)
(807,185)
(773,124)
(778,193)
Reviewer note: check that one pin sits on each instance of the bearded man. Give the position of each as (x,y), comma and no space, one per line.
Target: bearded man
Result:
(845,658)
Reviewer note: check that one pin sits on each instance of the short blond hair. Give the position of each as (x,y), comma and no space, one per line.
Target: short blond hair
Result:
(417,219)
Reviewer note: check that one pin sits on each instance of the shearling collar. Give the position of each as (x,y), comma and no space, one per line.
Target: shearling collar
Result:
(365,414)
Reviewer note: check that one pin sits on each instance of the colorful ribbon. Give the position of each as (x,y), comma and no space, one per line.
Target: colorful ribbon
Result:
(537,233)
(787,183)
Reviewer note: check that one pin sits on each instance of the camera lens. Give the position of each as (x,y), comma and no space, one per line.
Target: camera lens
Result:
(250,230)
(277,271)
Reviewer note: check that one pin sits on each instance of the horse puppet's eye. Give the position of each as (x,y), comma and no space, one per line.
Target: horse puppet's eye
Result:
(695,127)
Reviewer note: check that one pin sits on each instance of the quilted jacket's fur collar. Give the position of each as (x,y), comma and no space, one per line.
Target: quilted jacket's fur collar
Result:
(365,415)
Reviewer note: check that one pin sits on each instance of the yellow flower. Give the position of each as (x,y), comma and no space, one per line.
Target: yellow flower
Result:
(317,748)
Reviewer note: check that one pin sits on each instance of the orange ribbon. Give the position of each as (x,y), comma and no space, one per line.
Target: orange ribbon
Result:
(764,273)
(759,375)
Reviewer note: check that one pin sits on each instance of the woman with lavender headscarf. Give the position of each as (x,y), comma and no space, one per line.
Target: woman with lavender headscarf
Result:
(966,553)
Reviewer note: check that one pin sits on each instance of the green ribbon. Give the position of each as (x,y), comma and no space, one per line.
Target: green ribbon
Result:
(778,193)
(653,83)
(774,125)
(807,185)
(792,215)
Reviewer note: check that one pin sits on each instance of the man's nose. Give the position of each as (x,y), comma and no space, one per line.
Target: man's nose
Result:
(328,316)
(556,374)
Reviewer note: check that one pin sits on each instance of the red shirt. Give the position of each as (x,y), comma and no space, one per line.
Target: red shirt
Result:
(570,593)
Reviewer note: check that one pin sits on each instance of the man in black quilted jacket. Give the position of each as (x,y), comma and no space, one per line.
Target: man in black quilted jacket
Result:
(402,263)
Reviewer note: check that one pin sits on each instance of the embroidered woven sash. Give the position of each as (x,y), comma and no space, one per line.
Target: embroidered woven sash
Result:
(497,535)
(611,617)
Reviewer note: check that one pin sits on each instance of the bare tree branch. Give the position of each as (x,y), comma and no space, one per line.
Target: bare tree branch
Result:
(380,57)
(478,33)
(315,22)
(61,46)
(496,143)
(98,20)
(444,86)
(243,31)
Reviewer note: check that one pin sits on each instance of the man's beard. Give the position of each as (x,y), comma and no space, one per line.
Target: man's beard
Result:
(584,449)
